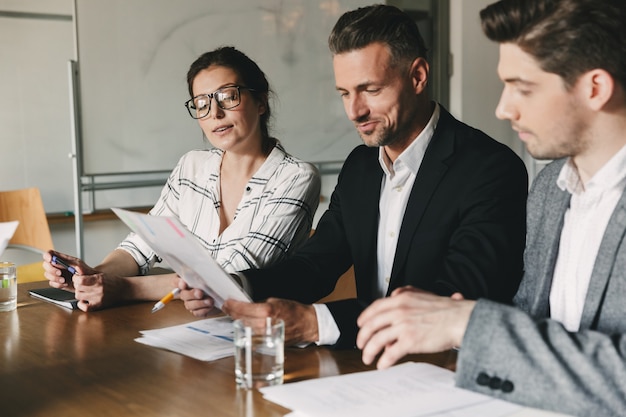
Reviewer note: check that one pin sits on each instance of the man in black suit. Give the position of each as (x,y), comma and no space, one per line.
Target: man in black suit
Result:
(427,201)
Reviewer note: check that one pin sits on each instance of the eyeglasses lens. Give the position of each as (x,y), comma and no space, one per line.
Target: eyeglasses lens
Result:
(227,98)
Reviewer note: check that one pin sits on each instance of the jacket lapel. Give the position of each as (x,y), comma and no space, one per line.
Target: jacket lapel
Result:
(607,253)
(551,228)
(432,169)
(364,198)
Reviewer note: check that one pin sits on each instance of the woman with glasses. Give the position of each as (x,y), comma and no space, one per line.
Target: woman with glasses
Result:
(246,200)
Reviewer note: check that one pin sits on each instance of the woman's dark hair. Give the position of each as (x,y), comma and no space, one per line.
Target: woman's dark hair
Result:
(566,37)
(250,75)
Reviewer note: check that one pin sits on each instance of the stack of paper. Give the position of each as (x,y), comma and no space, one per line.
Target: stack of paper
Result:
(206,340)
(410,389)
(7,229)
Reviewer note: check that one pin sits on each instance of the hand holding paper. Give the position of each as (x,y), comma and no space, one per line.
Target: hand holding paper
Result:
(182,251)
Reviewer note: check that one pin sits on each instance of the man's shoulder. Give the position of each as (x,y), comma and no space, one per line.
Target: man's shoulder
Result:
(364,151)
(362,155)
(469,151)
(469,140)
(361,165)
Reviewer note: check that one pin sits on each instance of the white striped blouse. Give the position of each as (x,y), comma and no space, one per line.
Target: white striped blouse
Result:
(274,216)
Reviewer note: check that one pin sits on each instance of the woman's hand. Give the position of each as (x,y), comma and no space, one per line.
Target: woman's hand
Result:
(196,301)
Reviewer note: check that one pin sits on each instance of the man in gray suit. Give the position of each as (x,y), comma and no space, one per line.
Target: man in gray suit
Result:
(563,346)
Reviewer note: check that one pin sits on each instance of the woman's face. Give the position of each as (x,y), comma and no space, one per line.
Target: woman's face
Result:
(236,130)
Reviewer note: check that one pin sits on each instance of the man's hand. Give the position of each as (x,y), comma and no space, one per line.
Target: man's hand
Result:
(411,321)
(300,319)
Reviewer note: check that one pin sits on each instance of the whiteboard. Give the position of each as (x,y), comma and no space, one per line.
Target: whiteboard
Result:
(34,108)
(133,58)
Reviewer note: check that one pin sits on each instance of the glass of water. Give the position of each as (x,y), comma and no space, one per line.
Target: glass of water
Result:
(8,286)
(259,353)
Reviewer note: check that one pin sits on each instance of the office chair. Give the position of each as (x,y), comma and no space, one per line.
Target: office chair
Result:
(33,232)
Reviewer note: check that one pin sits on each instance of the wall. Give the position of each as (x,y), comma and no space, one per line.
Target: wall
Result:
(34,99)
(133,82)
(474,94)
(36,44)
(474,85)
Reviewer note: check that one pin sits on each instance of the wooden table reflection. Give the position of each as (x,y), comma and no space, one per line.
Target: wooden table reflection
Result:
(57,362)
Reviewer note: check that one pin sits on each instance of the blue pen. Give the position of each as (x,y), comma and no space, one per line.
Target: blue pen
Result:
(61,262)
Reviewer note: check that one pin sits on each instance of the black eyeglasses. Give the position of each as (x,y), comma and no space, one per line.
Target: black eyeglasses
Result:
(227,98)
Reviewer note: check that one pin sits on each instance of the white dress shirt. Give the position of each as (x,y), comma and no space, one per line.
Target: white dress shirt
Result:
(585,222)
(395,190)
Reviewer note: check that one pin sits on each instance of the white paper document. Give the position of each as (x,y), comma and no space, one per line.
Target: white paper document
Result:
(406,390)
(188,258)
(205,340)
(7,229)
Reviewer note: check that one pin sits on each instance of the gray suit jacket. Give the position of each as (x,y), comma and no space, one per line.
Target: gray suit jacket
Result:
(520,355)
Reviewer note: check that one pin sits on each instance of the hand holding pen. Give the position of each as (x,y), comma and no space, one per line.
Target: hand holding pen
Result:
(169,297)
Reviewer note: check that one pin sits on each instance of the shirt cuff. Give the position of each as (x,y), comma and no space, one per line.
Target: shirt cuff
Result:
(327,328)
(245,285)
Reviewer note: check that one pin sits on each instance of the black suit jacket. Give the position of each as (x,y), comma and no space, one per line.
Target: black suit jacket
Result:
(463,228)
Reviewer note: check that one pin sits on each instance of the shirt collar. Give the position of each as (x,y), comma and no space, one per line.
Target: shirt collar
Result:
(413,155)
(568,179)
(612,174)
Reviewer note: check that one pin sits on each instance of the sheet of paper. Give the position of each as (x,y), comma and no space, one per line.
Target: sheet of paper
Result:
(7,229)
(205,340)
(410,389)
(182,251)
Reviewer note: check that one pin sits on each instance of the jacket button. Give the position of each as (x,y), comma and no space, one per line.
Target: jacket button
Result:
(507,386)
(495,383)
(482,379)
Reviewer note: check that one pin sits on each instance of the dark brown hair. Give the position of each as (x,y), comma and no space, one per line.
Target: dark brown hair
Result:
(250,75)
(566,37)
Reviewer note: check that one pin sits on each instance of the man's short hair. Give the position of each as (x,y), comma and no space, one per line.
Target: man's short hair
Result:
(385,24)
(566,37)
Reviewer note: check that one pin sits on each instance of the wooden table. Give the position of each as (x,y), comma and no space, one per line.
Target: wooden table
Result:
(56,362)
